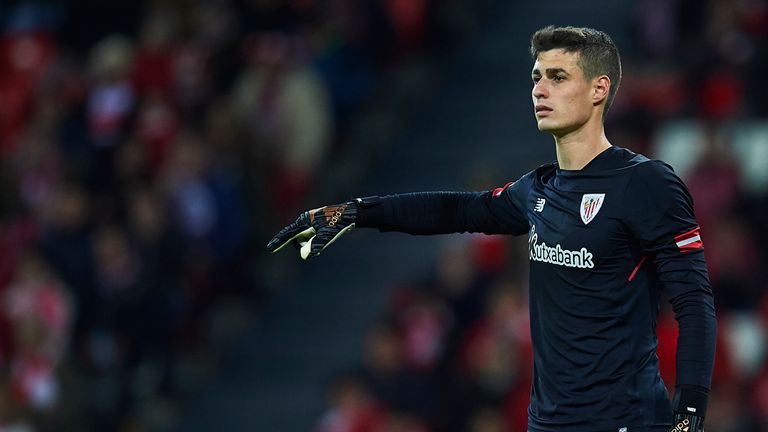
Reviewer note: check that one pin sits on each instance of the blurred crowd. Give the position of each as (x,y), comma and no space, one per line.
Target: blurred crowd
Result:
(147,150)
(452,350)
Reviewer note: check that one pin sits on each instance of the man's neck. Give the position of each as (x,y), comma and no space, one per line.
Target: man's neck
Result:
(576,149)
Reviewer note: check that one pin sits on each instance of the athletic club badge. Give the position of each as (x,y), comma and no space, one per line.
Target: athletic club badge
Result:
(590,205)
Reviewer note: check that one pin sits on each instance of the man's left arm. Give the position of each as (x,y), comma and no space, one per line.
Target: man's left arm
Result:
(683,274)
(665,224)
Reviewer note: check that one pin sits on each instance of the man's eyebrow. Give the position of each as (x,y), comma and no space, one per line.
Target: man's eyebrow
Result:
(550,71)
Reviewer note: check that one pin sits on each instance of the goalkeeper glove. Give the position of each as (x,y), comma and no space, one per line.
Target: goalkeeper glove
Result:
(687,423)
(690,406)
(315,230)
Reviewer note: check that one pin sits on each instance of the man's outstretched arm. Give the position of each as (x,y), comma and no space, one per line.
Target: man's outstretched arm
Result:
(497,211)
(444,213)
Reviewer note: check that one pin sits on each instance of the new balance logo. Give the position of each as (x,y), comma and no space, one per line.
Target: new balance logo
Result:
(539,205)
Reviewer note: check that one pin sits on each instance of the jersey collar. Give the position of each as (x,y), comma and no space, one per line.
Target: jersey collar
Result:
(599,163)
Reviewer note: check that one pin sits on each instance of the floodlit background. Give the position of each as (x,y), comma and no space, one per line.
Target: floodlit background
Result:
(149,149)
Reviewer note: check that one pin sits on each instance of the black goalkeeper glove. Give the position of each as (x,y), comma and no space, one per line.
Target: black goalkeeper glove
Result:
(687,423)
(690,407)
(315,230)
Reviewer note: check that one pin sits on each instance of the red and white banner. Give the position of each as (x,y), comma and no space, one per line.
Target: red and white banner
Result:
(689,241)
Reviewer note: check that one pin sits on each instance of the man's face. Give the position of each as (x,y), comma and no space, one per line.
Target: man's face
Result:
(562,98)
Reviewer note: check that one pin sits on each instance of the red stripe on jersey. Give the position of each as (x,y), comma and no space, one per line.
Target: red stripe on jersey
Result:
(689,241)
(637,267)
(692,246)
(498,191)
(692,233)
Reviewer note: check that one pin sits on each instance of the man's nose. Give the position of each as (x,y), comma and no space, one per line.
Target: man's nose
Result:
(539,90)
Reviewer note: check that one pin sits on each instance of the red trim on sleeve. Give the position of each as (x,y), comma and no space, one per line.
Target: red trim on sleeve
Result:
(498,191)
(689,241)
(637,267)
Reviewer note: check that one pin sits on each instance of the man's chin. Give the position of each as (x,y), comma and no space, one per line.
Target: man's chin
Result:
(545,126)
(553,129)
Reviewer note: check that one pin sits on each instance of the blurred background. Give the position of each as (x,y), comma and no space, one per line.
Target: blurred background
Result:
(149,149)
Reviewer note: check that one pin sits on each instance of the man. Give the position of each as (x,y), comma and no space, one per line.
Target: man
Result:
(607,229)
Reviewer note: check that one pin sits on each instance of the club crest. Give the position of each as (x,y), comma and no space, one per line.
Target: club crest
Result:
(590,205)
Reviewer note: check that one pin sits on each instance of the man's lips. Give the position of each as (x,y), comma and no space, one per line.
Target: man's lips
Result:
(543,110)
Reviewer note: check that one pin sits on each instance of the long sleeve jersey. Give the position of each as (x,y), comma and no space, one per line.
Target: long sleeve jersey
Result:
(603,242)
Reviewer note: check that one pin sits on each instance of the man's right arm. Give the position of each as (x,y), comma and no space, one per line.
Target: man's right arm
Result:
(490,212)
(498,211)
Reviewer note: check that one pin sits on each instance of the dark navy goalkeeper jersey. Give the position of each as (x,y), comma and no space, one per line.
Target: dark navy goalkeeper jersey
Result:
(603,242)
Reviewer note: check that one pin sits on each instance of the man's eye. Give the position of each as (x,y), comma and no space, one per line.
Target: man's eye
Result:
(559,78)
(536,79)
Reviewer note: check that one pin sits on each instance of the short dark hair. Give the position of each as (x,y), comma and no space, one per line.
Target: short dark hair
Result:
(598,55)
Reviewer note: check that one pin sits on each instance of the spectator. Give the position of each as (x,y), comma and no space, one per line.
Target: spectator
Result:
(39,310)
(351,408)
(287,108)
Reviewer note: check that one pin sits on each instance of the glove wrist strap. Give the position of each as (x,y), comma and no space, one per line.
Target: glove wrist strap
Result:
(369,201)
(690,401)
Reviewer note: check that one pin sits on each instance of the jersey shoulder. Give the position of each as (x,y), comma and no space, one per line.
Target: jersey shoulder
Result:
(543,172)
(519,189)
(526,181)
(654,184)
(651,171)
(625,158)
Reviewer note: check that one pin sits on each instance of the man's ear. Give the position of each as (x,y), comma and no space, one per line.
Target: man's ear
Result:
(601,87)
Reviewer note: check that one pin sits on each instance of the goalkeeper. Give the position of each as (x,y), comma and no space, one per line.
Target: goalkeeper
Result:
(608,229)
